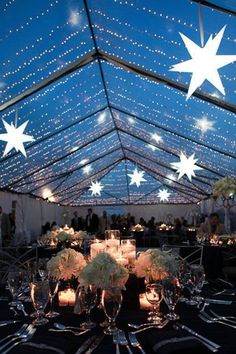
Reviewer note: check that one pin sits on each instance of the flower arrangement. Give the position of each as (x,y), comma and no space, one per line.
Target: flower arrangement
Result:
(155,264)
(137,228)
(66,264)
(225,187)
(65,235)
(104,272)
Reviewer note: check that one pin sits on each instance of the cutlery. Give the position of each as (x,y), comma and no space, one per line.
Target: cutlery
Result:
(136,326)
(134,342)
(69,330)
(43,346)
(220,302)
(225,282)
(123,341)
(21,307)
(189,330)
(15,334)
(226,292)
(24,338)
(4,323)
(85,345)
(162,325)
(209,319)
(15,312)
(95,344)
(22,335)
(116,342)
(62,326)
(226,317)
(183,339)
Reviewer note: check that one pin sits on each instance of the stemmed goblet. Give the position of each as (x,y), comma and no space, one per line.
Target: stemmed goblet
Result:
(53,288)
(154,295)
(87,297)
(14,281)
(171,293)
(111,302)
(39,292)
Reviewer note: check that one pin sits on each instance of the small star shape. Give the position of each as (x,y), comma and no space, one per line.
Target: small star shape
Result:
(204,62)
(157,138)
(163,194)
(15,137)
(96,188)
(204,124)
(137,177)
(87,169)
(186,166)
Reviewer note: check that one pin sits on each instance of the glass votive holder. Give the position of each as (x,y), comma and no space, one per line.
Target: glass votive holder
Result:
(96,247)
(112,234)
(128,249)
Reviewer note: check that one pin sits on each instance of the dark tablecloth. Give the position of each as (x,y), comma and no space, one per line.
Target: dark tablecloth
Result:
(129,313)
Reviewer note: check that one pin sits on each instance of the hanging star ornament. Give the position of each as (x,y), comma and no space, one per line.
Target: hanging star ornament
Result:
(204,62)
(163,194)
(137,177)
(204,124)
(15,137)
(186,166)
(96,188)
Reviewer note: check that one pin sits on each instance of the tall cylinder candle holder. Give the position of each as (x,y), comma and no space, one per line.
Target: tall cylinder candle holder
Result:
(96,247)
(128,249)
(112,239)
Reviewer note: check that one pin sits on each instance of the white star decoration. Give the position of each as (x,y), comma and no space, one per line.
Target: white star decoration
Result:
(137,177)
(204,124)
(157,138)
(96,188)
(186,166)
(204,62)
(15,137)
(163,194)
(87,169)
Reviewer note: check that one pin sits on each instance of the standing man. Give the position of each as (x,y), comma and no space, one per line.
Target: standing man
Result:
(77,222)
(91,221)
(5,229)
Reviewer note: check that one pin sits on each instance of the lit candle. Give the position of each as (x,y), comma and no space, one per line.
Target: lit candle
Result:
(66,297)
(143,303)
(128,249)
(98,246)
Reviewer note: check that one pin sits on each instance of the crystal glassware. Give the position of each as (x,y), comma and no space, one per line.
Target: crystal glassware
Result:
(154,295)
(14,281)
(39,292)
(111,302)
(198,276)
(87,297)
(53,288)
(171,293)
(42,268)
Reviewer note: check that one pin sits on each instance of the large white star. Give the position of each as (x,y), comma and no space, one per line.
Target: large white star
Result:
(204,124)
(96,188)
(205,62)
(15,137)
(163,194)
(186,166)
(137,177)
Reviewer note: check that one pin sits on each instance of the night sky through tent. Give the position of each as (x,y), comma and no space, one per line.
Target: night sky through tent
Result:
(93,80)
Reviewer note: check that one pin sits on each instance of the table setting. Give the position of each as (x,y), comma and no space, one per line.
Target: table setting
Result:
(80,304)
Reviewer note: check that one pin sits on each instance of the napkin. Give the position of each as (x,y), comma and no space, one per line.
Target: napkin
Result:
(172,342)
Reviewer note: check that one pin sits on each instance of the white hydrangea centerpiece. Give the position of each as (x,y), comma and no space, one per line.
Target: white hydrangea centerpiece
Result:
(104,272)
(155,264)
(225,187)
(66,264)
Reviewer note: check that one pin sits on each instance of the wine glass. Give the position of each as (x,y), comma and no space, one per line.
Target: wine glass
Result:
(87,297)
(171,293)
(111,302)
(42,268)
(53,288)
(198,276)
(154,295)
(39,292)
(14,281)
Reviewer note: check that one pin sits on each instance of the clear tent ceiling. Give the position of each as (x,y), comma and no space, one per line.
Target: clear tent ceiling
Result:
(93,80)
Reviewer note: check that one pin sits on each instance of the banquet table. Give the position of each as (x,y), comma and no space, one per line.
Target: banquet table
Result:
(69,343)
